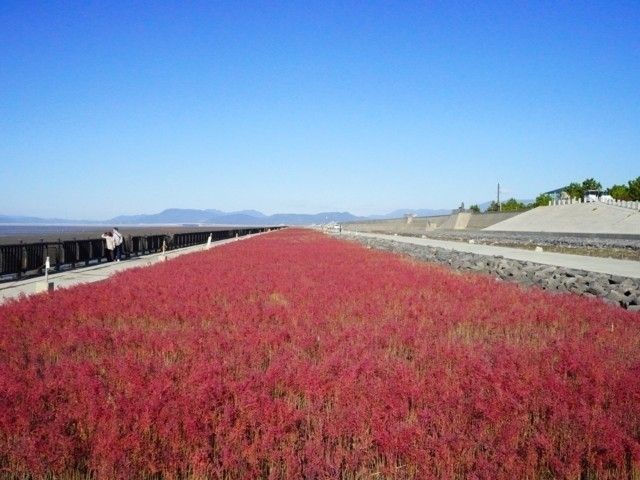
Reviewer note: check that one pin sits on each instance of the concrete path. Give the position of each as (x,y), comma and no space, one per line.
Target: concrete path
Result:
(96,273)
(610,266)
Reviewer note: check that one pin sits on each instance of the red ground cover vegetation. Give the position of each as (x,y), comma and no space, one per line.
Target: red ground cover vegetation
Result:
(294,355)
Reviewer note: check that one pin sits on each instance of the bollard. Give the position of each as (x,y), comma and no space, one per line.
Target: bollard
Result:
(47,266)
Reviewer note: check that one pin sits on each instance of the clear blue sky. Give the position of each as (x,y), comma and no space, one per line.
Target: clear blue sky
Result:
(114,108)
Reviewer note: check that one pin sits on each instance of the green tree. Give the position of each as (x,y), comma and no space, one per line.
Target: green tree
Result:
(574,190)
(474,209)
(619,192)
(493,207)
(512,205)
(591,184)
(542,200)
(634,189)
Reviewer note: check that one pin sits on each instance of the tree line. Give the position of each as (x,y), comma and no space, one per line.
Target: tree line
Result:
(628,191)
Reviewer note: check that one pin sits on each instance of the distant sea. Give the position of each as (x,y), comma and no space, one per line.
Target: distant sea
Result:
(46,230)
(15,233)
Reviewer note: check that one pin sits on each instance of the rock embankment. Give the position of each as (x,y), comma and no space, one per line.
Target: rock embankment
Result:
(629,242)
(616,290)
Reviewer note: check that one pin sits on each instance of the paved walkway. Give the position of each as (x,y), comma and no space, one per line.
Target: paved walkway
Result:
(610,266)
(96,273)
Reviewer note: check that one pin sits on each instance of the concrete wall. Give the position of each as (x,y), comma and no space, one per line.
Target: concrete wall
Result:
(575,218)
(484,220)
(421,225)
(417,225)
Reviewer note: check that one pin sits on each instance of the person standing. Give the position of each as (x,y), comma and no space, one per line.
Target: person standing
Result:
(117,241)
(108,238)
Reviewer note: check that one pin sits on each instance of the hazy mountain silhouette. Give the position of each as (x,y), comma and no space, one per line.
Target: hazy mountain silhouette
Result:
(219,217)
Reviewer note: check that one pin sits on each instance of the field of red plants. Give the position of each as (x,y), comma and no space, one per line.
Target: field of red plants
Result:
(295,355)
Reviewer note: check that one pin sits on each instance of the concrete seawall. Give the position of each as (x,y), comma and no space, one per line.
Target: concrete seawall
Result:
(421,225)
(574,218)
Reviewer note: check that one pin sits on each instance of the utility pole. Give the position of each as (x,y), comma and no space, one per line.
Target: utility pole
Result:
(499,204)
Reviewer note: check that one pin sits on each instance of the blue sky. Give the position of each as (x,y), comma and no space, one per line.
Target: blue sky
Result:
(117,108)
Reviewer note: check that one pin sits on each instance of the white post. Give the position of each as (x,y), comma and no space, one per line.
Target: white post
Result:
(209,241)
(550,202)
(47,266)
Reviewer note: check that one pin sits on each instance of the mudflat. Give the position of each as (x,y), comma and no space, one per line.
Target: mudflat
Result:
(11,234)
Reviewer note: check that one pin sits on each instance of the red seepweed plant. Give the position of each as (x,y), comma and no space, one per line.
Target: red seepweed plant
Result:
(294,355)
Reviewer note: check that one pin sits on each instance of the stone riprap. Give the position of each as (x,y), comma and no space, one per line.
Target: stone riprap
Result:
(532,239)
(613,289)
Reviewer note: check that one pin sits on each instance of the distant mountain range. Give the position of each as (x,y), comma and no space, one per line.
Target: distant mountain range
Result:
(218,217)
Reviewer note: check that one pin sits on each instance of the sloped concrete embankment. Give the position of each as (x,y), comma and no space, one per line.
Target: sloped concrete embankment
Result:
(616,290)
(574,218)
(422,225)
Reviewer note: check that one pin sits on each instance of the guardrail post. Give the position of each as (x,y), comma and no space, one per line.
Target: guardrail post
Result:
(23,259)
(42,259)
(59,255)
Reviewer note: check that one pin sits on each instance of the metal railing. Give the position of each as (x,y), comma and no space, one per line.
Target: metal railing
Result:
(29,258)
